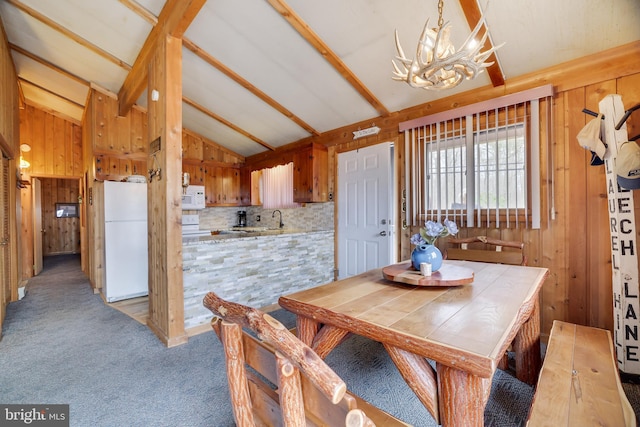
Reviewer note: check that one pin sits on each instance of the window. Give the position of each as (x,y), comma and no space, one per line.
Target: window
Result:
(480,168)
(500,168)
(499,176)
(275,187)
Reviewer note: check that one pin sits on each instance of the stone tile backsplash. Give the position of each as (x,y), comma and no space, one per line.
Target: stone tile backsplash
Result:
(312,217)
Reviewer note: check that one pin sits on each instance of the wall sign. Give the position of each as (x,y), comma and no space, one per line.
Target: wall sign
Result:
(624,249)
(66,210)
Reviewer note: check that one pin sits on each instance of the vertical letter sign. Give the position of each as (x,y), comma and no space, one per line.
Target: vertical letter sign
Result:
(624,257)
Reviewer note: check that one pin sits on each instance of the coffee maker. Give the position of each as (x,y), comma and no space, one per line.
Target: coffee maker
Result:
(242,219)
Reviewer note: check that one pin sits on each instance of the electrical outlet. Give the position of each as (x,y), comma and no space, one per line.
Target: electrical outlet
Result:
(257,218)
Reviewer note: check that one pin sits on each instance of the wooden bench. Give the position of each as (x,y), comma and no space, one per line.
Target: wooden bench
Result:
(579,384)
(486,249)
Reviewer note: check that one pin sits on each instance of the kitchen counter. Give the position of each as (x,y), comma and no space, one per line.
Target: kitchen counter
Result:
(242,232)
(253,267)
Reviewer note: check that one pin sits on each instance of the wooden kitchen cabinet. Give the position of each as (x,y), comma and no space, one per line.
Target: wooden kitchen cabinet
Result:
(231,186)
(310,174)
(195,171)
(212,185)
(222,186)
(245,186)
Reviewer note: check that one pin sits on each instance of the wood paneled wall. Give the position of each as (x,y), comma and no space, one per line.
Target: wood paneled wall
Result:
(9,141)
(574,242)
(56,144)
(61,235)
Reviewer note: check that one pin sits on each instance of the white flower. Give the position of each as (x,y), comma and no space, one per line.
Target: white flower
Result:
(432,230)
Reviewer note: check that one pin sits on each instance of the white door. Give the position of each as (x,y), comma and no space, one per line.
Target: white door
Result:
(364,212)
(37,226)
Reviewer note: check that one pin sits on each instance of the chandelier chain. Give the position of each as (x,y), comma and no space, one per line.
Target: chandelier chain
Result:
(440,7)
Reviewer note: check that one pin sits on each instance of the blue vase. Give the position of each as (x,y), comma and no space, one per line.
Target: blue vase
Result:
(426,253)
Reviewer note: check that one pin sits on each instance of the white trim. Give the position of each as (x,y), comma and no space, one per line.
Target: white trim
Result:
(535,164)
(471,176)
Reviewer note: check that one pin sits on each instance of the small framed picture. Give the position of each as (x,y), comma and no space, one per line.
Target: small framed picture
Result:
(66,210)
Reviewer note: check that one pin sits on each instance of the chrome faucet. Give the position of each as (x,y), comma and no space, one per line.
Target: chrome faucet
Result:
(273,215)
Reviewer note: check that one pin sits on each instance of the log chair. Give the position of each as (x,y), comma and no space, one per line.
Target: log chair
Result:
(276,380)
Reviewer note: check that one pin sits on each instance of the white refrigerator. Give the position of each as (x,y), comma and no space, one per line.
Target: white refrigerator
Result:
(125,240)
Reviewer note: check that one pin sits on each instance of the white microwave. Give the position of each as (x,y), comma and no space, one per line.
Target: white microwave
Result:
(193,198)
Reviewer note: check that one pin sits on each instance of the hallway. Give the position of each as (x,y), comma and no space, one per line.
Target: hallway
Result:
(63,345)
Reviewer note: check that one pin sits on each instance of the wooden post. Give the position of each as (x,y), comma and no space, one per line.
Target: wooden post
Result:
(166,293)
(624,258)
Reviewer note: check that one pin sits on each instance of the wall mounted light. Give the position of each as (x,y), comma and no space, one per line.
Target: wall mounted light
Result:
(24,148)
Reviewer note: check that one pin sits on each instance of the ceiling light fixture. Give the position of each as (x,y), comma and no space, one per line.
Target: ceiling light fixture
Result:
(437,65)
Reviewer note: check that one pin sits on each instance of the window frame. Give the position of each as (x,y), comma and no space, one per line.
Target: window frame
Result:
(414,211)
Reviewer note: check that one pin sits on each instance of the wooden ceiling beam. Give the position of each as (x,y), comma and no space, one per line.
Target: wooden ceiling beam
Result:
(473,14)
(310,36)
(150,17)
(247,85)
(22,80)
(225,122)
(48,64)
(141,11)
(73,36)
(174,19)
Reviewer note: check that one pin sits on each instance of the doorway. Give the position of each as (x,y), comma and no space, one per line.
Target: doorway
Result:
(366,231)
(56,218)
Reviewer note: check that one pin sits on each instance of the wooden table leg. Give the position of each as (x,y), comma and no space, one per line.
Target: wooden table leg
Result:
(322,339)
(419,375)
(460,397)
(307,329)
(328,338)
(527,348)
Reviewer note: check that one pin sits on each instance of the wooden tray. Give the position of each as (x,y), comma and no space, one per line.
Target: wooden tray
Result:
(447,275)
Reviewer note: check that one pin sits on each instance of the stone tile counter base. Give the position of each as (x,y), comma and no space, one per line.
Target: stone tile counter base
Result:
(254,271)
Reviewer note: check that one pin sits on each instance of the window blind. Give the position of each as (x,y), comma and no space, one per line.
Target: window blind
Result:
(477,165)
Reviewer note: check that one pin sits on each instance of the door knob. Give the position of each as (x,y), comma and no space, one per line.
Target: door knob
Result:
(383,233)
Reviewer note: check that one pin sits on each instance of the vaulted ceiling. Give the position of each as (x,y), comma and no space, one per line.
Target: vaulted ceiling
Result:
(260,74)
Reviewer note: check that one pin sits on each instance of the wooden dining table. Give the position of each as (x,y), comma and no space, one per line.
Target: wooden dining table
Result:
(465,329)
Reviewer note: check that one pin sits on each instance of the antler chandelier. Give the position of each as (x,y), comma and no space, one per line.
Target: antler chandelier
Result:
(437,65)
